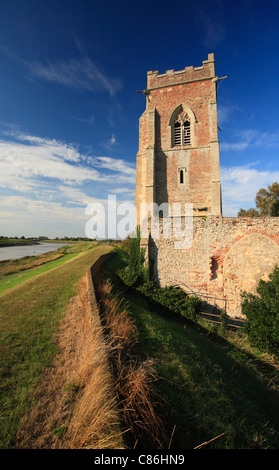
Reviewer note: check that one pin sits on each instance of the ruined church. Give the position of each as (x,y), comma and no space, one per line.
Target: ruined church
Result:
(178,162)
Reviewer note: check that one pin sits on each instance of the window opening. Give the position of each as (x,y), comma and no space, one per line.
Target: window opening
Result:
(186,133)
(214,268)
(181,177)
(177,133)
(182,130)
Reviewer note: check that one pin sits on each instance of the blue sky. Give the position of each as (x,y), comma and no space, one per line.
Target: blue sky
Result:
(69,112)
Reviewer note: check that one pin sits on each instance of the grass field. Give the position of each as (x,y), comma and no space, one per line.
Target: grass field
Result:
(13,280)
(209,386)
(15,271)
(30,313)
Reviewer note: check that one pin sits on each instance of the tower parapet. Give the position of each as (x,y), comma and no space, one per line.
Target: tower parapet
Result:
(188,74)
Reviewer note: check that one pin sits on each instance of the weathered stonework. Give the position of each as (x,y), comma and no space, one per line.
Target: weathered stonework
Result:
(227,255)
(192,91)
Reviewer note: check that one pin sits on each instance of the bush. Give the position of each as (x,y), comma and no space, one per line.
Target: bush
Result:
(224,320)
(137,272)
(173,298)
(130,277)
(262,314)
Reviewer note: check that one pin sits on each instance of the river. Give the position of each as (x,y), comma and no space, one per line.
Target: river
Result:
(15,252)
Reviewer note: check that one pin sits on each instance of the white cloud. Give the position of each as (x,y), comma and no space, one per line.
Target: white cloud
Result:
(225,112)
(118,165)
(23,164)
(80,73)
(252,138)
(111,143)
(89,120)
(121,190)
(47,183)
(240,185)
(212,23)
(23,216)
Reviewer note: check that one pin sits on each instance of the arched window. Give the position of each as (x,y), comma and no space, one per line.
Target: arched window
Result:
(182,130)
(182,177)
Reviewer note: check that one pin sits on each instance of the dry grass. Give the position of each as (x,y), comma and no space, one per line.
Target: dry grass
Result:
(133,377)
(122,329)
(79,403)
(75,404)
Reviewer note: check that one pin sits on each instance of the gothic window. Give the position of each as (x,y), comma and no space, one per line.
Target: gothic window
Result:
(182,130)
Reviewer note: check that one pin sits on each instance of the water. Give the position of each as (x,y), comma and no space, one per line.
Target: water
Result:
(15,252)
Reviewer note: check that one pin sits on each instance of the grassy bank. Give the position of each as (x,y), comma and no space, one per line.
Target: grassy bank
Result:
(210,386)
(30,314)
(15,271)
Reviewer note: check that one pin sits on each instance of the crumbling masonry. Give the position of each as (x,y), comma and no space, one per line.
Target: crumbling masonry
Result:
(178,162)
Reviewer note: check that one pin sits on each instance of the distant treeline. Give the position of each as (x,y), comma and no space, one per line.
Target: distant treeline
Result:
(13,241)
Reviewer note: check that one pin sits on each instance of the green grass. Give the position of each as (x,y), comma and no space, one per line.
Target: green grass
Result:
(13,280)
(30,314)
(208,384)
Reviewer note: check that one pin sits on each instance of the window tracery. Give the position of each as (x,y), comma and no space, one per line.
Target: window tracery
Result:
(182,130)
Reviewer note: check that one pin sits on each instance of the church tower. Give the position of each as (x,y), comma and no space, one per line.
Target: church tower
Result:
(178,157)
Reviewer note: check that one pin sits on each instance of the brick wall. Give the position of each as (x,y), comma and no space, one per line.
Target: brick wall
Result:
(192,90)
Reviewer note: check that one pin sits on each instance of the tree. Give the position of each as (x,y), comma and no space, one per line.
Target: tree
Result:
(262,314)
(249,213)
(137,270)
(267,203)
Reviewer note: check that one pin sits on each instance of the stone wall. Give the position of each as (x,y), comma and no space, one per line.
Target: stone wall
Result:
(227,255)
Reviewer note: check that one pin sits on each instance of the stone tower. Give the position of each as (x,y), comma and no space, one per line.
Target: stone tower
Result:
(178,162)
(178,157)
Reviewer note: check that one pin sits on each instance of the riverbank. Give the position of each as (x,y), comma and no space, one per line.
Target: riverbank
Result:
(4,242)
(15,271)
(19,252)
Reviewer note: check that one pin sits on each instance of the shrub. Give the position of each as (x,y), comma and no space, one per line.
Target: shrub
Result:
(174,299)
(129,276)
(224,320)
(262,314)
(136,272)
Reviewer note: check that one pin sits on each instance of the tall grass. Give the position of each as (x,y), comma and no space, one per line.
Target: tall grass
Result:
(133,377)
(76,407)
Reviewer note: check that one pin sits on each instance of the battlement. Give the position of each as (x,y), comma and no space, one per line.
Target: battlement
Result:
(189,74)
